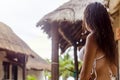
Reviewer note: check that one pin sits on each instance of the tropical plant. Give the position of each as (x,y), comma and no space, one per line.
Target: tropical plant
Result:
(66,66)
(31,77)
(47,73)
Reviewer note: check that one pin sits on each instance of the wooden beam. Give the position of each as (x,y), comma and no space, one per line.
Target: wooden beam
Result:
(55,54)
(76,62)
(66,36)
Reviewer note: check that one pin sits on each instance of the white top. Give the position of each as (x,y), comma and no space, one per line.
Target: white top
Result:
(81,53)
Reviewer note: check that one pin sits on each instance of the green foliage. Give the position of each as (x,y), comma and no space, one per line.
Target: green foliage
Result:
(31,77)
(47,74)
(48,60)
(66,66)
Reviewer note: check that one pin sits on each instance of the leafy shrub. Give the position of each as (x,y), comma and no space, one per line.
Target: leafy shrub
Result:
(30,77)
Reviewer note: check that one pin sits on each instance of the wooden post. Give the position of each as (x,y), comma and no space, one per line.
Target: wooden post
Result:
(118,59)
(24,67)
(55,55)
(10,69)
(76,62)
(119,48)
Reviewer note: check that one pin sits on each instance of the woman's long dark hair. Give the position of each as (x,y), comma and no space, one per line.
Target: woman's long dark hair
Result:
(97,19)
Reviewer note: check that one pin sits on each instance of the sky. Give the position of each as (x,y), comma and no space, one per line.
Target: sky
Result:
(22,16)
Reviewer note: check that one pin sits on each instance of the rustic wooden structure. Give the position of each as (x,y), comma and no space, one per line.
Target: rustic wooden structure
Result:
(114,11)
(17,52)
(64,25)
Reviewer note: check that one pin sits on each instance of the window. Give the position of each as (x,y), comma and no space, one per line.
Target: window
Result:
(6,70)
(14,72)
(10,69)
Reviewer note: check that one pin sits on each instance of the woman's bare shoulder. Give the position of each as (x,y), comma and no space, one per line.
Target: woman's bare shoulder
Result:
(91,45)
(91,39)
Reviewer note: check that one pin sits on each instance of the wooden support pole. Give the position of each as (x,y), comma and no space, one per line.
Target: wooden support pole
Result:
(55,55)
(76,62)
(119,49)
(118,59)
(24,67)
(10,69)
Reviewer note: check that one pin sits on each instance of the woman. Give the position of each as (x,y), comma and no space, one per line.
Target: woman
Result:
(100,50)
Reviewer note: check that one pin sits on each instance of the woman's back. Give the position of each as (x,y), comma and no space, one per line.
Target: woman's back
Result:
(95,61)
(103,67)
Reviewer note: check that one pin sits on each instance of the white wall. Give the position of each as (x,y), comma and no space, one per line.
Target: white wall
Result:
(20,76)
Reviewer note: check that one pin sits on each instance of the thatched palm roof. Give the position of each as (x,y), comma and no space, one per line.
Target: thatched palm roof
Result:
(14,47)
(114,6)
(70,11)
(68,19)
(11,42)
(37,63)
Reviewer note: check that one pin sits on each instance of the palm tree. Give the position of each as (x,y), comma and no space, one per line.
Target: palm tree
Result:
(66,66)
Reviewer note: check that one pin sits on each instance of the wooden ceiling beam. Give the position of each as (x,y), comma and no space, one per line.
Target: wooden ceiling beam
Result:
(67,36)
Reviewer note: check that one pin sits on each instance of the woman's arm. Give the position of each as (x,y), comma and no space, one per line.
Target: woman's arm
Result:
(89,56)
